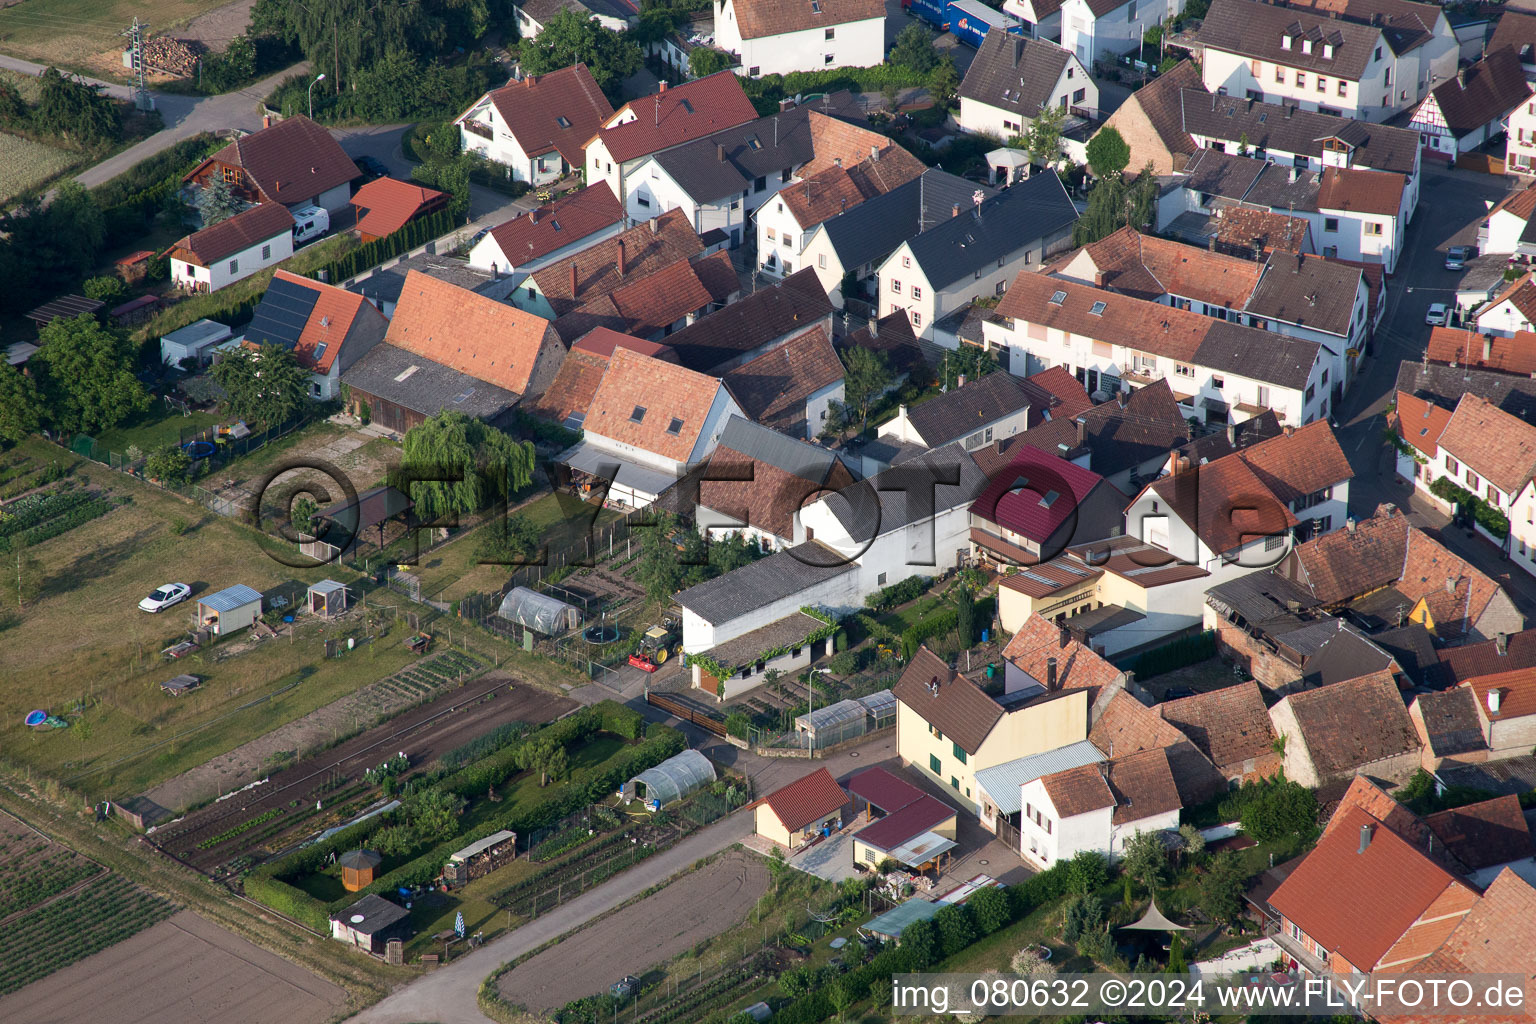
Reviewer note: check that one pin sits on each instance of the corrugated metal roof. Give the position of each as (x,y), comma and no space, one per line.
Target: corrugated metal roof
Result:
(894,922)
(1002,781)
(230,598)
(482,845)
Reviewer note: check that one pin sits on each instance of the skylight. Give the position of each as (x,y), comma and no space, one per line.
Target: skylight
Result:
(405,373)
(1058,298)
(462,396)
(563,122)
(638,414)
(320,351)
(687,106)
(1098,309)
(754,143)
(675,427)
(1049,499)
(815,6)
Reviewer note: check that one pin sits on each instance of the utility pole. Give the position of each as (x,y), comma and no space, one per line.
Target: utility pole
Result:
(135,34)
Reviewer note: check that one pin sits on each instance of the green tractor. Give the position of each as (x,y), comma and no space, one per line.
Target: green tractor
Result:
(658,645)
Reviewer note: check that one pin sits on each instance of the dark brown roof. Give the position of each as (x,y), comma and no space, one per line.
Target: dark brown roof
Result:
(1346,563)
(718,276)
(1516,30)
(807,801)
(1014,73)
(1487,91)
(290,161)
(1485,834)
(1266,230)
(1357,191)
(568,219)
(1160,100)
(958,709)
(646,248)
(1348,725)
(557,112)
(1229,725)
(963,410)
(1254,29)
(1057,392)
(1483,659)
(1497,446)
(1288,129)
(835,189)
(1143,785)
(1451,723)
(776,384)
(762,494)
(751,322)
(759,19)
(1116,437)
(250,227)
(1308,291)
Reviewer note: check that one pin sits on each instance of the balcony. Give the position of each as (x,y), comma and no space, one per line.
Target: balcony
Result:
(482,130)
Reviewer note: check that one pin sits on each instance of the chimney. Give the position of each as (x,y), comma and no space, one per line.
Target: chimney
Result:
(1098,279)
(1050,673)
(1189,431)
(720,151)
(663,87)
(573,277)
(655,226)
(1082,430)
(266,120)
(1066,637)
(874,153)
(874,326)
(954,211)
(1501,644)
(1365,838)
(1232,435)
(1120,398)
(960,381)
(1461,78)
(903,410)
(1450,585)
(1349,523)
(1487,348)
(621,257)
(1294,173)
(1494,697)
(1289,430)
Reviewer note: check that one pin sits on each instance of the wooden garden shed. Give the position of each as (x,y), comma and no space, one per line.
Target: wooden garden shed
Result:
(357,868)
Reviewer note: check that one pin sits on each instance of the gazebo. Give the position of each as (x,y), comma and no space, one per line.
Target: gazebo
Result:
(1012,163)
(1153,921)
(357,868)
(327,598)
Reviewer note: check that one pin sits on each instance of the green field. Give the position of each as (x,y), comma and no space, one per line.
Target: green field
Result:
(73,32)
(25,164)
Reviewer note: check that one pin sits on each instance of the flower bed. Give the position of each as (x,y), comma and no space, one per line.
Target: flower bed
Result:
(223,837)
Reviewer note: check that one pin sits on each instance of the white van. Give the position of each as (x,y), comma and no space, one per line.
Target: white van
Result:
(310,223)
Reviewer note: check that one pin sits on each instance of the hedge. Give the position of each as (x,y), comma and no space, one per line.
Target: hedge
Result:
(765,92)
(285,899)
(898,593)
(1488,517)
(371,254)
(1186,650)
(931,625)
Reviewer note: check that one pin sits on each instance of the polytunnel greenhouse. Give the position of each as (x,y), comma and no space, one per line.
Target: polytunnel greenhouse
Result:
(671,780)
(539,612)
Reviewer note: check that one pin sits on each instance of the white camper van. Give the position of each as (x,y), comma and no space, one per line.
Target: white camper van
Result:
(310,223)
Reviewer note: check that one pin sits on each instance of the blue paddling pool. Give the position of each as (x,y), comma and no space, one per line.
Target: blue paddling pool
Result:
(198,449)
(37,718)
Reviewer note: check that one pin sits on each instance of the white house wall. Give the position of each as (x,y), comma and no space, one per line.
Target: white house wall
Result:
(1118,32)
(246,262)
(857,44)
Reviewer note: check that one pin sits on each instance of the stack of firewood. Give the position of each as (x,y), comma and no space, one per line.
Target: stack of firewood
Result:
(171,56)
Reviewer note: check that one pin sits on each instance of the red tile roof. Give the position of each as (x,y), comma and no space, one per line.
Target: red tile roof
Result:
(1271,232)
(1354,190)
(1458,347)
(385,205)
(477,336)
(1070,397)
(774,386)
(1483,93)
(1495,937)
(226,238)
(557,112)
(645,248)
(1521,204)
(1497,446)
(1078,790)
(664,395)
(289,162)
(835,189)
(571,391)
(808,800)
(884,789)
(571,218)
(1521,293)
(1020,497)
(1486,833)
(1516,689)
(1142,784)
(1150,267)
(1427,566)
(1361,904)
(759,19)
(1230,725)
(1354,723)
(331,319)
(1420,422)
(1077,666)
(676,115)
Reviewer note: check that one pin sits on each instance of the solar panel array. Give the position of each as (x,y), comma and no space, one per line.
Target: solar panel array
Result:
(282,314)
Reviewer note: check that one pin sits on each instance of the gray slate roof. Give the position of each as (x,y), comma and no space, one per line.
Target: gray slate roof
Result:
(1289,129)
(1014,73)
(763,582)
(960,412)
(386,284)
(806,461)
(872,230)
(377,914)
(1260,355)
(432,388)
(1309,291)
(1444,386)
(916,489)
(1253,181)
(1003,225)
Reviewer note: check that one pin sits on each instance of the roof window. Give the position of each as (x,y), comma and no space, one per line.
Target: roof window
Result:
(675,427)
(1098,309)
(638,414)
(1058,298)
(563,121)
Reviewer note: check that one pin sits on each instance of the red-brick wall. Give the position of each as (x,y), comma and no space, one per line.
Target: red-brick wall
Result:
(1270,670)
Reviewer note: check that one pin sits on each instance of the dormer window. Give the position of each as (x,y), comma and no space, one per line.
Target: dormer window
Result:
(1328,51)
(1306,46)
(1285,42)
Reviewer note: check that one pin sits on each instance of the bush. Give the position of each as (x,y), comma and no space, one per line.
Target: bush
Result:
(287,900)
(1274,809)
(1486,515)
(1186,650)
(932,625)
(105,289)
(1087,872)
(908,589)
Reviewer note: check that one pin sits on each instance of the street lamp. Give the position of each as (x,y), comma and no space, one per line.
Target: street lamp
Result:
(320,78)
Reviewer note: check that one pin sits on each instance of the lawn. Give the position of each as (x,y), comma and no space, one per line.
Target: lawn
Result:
(25,164)
(84,640)
(160,425)
(69,32)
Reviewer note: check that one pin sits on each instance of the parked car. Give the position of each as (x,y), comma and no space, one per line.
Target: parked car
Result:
(1178,693)
(1456,257)
(163,598)
(371,168)
(1436,316)
(310,223)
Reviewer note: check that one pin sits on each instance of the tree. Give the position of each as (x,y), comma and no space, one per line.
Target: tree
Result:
(1087,872)
(796,981)
(967,361)
(86,375)
(1221,888)
(20,405)
(660,571)
(68,107)
(170,464)
(433,813)
(343,36)
(476,463)
(1113,204)
(914,50)
(732,552)
(957,929)
(1191,842)
(842,995)
(1279,809)
(1145,859)
(944,83)
(1176,963)
(990,908)
(393,840)
(217,202)
(571,38)
(965,617)
(50,248)
(108,289)
(706,60)
(922,938)
(1079,915)
(513,540)
(1043,138)
(13,110)
(1108,152)
(265,386)
(866,373)
(303,514)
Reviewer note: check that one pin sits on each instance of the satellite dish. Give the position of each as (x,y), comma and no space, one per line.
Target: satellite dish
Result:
(357,918)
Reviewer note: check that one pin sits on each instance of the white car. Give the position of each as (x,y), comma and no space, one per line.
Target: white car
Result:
(160,600)
(1436,315)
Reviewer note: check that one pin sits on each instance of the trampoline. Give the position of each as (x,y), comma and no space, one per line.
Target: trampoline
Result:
(600,634)
(199,449)
(37,718)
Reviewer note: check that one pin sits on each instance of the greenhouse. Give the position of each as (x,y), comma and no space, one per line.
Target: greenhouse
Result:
(833,723)
(881,707)
(539,612)
(671,780)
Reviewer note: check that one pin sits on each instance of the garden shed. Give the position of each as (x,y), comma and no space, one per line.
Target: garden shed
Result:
(370,923)
(192,343)
(228,610)
(671,780)
(480,857)
(357,868)
(179,685)
(327,598)
(539,612)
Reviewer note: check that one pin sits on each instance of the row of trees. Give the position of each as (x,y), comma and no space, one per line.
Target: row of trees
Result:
(67,109)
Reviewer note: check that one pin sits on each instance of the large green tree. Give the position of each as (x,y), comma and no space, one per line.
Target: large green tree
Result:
(1043,138)
(48,249)
(967,361)
(266,386)
(1108,152)
(914,50)
(82,113)
(341,37)
(866,373)
(571,38)
(86,375)
(1113,204)
(20,405)
(472,464)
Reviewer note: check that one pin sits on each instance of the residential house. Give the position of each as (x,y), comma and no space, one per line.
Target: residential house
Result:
(772,38)
(1350,727)
(784,224)
(891,336)
(537,126)
(668,118)
(795,814)
(1107,29)
(328,329)
(564,285)
(759,323)
(385,205)
(791,388)
(906,824)
(1365,59)
(1451,346)
(1011,79)
(232,249)
(1508,229)
(1254,234)
(1231,727)
(1489,456)
(975,414)
(1038,506)
(949,727)
(294,162)
(757,480)
(513,354)
(1220,371)
(1512,310)
(1384,573)
(1485,836)
(850,247)
(719,181)
(1495,936)
(976,252)
(1001,786)
(1466,112)
(383,285)
(1098,807)
(551,232)
(1502,653)
(1321,300)
(652,304)
(1151,121)
(1443,387)
(1450,728)
(1123,725)
(649,423)
(569,395)
(1520,141)
(1296,137)
(1506,711)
